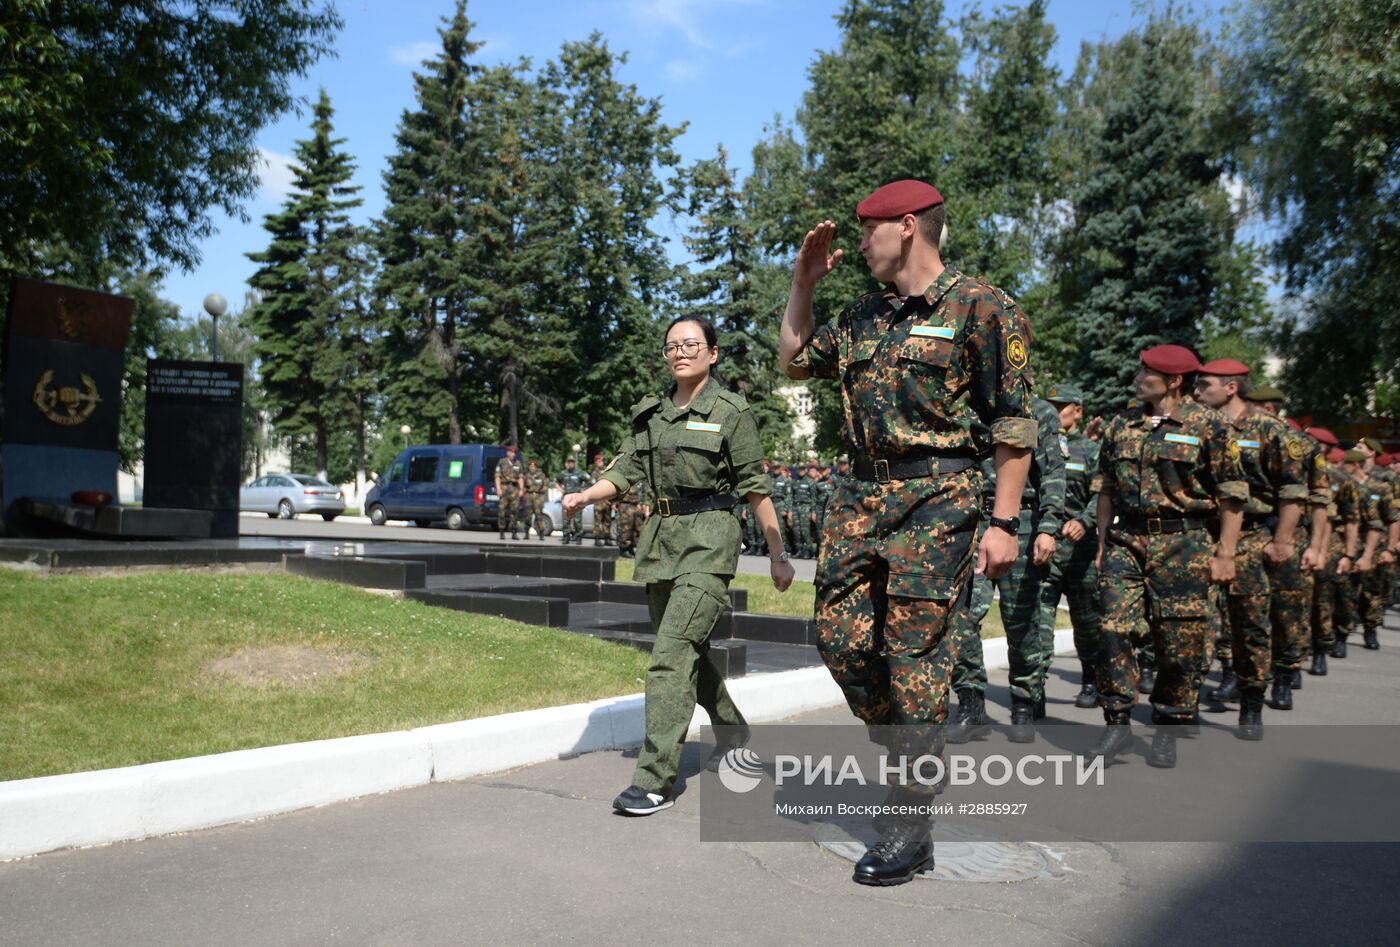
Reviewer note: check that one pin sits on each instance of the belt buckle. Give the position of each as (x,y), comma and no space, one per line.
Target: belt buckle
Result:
(663,506)
(882,471)
(1154,525)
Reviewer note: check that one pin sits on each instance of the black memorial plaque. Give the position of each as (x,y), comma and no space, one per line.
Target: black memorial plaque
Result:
(194,438)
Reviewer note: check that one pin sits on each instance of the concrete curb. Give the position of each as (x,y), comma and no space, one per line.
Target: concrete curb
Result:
(79,810)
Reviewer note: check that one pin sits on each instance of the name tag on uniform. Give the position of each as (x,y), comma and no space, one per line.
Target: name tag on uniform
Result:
(1079,467)
(934,332)
(703,426)
(1253,445)
(1375,496)
(1184,439)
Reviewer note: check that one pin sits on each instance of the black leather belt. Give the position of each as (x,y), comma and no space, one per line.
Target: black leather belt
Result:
(1153,525)
(884,470)
(680,506)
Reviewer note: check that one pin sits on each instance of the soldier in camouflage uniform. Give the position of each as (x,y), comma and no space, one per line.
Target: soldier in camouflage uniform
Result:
(572,480)
(698,448)
(510,481)
(1386,469)
(1042,515)
(1370,528)
(602,512)
(933,374)
(753,535)
(536,492)
(782,502)
(804,512)
(1376,586)
(1266,599)
(825,486)
(631,510)
(1331,591)
(1072,571)
(1167,470)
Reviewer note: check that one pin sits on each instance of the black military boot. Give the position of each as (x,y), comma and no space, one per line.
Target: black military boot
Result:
(1229,689)
(1117,735)
(1369,640)
(1162,755)
(1022,721)
(1252,715)
(905,848)
(597,541)
(1339,647)
(501,534)
(1147,677)
(1088,695)
(1040,706)
(1297,674)
(1282,696)
(971,722)
(514,534)
(1319,665)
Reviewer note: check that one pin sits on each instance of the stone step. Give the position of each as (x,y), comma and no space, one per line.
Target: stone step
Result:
(779,629)
(361,571)
(574,590)
(533,610)
(729,657)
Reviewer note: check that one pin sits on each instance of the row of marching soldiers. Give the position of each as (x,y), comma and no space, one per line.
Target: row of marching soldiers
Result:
(1197,524)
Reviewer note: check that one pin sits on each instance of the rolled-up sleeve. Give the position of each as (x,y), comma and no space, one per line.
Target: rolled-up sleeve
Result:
(820,357)
(1225,469)
(999,345)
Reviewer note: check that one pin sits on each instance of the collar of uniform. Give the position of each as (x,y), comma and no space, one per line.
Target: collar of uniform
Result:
(703,402)
(926,300)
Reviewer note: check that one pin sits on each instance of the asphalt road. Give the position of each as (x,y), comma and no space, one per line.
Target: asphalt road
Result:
(535,855)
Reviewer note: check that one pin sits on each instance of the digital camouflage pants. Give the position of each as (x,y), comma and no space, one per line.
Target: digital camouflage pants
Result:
(602,520)
(1376,588)
(534,507)
(1334,599)
(684,612)
(573,525)
(629,524)
(1027,652)
(1163,579)
(896,559)
(1072,573)
(1267,607)
(509,509)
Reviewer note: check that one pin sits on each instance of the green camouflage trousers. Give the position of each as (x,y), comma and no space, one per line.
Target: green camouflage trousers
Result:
(1163,579)
(753,535)
(1072,573)
(1334,599)
(602,520)
(896,559)
(629,524)
(534,506)
(1266,610)
(509,510)
(1376,587)
(573,525)
(805,529)
(1026,650)
(684,611)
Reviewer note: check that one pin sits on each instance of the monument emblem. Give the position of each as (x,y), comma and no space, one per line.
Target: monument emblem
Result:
(66,406)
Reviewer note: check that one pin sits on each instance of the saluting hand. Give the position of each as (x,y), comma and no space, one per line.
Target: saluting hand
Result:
(815,259)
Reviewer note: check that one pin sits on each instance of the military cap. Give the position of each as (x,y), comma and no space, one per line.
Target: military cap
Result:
(897,199)
(1065,394)
(1375,445)
(1225,366)
(1323,436)
(1354,456)
(597,458)
(1294,424)
(813,463)
(1385,460)
(1336,455)
(1264,393)
(1170,359)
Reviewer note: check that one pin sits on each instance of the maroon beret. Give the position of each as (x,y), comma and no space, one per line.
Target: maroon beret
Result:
(1294,424)
(1324,436)
(1170,359)
(1385,460)
(897,199)
(1225,366)
(1336,455)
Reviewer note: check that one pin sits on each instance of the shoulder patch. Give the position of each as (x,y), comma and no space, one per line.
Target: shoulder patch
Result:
(1017,353)
(1321,463)
(1233,449)
(736,400)
(649,403)
(1064,445)
(1296,448)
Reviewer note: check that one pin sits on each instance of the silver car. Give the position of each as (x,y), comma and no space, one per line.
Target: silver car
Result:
(284,495)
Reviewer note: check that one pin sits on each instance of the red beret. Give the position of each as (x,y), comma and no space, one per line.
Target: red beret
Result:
(1324,436)
(1336,455)
(1294,424)
(1170,359)
(1225,366)
(897,199)
(597,458)
(1385,460)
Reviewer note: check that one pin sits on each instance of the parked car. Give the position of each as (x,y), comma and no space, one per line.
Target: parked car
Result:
(284,495)
(554,512)
(452,483)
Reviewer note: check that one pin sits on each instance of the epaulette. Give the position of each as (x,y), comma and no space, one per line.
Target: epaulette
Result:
(646,405)
(737,400)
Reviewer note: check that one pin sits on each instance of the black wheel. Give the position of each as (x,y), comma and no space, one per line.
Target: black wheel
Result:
(285,510)
(423,524)
(328,517)
(456,519)
(377,516)
(272,516)
(543,525)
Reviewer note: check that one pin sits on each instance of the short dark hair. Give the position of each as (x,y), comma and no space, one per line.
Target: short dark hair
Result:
(1241,382)
(931,221)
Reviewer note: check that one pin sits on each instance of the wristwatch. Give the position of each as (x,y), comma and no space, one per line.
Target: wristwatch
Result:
(1010,524)
(781,557)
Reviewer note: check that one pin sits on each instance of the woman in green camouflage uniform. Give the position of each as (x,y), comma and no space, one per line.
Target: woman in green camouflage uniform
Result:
(697,447)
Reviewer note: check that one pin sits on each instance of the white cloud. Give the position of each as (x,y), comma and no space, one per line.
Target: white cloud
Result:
(689,17)
(413,54)
(682,70)
(275,175)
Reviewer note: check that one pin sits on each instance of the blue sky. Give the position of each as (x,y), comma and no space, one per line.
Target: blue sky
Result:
(726,67)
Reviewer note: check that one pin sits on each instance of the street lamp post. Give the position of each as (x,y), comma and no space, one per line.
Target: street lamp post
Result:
(216,305)
(405,430)
(577,448)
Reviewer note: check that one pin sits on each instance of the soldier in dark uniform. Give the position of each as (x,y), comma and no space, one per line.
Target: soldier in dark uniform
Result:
(1372,528)
(536,492)
(603,510)
(753,535)
(932,373)
(631,510)
(510,482)
(1072,571)
(1377,585)
(1167,471)
(698,448)
(782,502)
(572,480)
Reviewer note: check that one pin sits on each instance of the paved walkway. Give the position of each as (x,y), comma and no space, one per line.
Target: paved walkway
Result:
(535,855)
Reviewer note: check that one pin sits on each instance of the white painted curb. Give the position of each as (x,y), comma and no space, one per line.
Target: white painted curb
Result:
(84,809)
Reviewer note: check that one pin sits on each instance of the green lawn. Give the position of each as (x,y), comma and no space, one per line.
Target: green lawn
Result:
(111,671)
(801,596)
